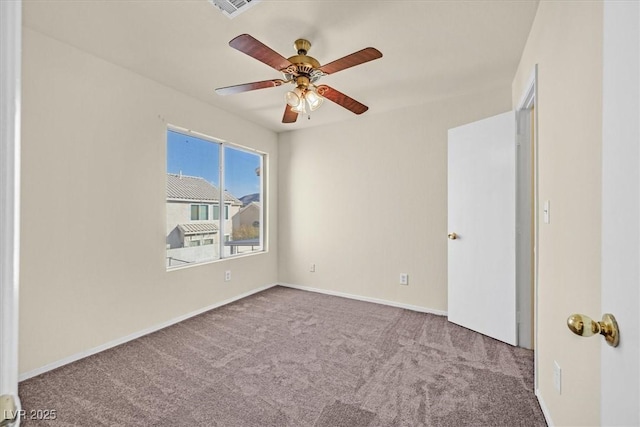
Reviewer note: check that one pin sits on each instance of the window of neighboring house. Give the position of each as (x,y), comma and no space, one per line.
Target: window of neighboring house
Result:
(199,212)
(195,174)
(216,212)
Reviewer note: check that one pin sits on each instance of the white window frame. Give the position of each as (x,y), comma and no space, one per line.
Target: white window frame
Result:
(222,231)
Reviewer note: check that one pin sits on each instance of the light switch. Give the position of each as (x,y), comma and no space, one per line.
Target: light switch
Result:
(545,212)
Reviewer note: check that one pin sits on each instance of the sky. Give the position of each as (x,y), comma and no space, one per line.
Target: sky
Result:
(198,157)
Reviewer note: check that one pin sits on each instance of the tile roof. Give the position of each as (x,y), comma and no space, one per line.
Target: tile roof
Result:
(250,205)
(199,228)
(194,188)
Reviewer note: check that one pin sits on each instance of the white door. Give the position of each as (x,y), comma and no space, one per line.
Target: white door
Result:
(620,366)
(482,214)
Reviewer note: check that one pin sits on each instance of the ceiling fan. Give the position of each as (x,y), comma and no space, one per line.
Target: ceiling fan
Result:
(303,72)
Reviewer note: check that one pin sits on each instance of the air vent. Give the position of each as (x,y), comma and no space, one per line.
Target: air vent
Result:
(233,8)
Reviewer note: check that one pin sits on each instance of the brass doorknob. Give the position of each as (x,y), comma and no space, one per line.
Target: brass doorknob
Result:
(452,236)
(584,326)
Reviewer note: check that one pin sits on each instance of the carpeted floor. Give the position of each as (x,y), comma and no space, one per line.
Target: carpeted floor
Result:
(285,357)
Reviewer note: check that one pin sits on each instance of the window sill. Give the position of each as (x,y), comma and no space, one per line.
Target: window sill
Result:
(215,261)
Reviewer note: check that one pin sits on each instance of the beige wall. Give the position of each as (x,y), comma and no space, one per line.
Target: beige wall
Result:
(566,43)
(93,174)
(366,200)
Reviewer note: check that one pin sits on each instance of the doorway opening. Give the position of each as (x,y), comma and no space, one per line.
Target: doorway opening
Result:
(527,218)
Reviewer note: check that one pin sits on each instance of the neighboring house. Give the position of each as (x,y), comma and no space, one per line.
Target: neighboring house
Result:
(246,229)
(193,212)
(247,216)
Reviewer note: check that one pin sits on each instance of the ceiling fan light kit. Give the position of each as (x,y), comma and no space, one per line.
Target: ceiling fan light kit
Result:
(303,71)
(301,93)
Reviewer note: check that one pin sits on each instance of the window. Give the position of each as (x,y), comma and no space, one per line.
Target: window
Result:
(245,170)
(216,212)
(199,212)
(196,175)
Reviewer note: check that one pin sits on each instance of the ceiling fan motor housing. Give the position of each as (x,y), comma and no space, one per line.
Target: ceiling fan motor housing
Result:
(304,65)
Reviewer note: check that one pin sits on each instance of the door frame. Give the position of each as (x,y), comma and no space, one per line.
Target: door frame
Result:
(10,127)
(528,100)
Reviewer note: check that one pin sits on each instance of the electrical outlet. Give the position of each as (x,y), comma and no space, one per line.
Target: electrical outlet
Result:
(557,377)
(404,279)
(227,276)
(312,268)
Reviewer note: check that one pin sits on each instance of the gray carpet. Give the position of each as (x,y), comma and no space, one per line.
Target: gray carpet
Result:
(285,357)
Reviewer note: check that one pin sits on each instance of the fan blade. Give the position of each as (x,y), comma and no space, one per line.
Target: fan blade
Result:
(356,58)
(230,90)
(341,99)
(289,116)
(258,50)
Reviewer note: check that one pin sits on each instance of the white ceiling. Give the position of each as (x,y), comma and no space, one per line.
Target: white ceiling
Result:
(431,49)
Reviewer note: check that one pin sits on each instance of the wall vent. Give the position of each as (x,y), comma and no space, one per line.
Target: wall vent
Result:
(233,8)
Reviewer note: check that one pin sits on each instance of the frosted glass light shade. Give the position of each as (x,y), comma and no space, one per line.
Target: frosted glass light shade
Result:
(292,99)
(314,100)
(300,108)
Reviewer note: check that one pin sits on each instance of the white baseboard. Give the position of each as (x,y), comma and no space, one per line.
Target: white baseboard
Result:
(545,410)
(135,335)
(367,299)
